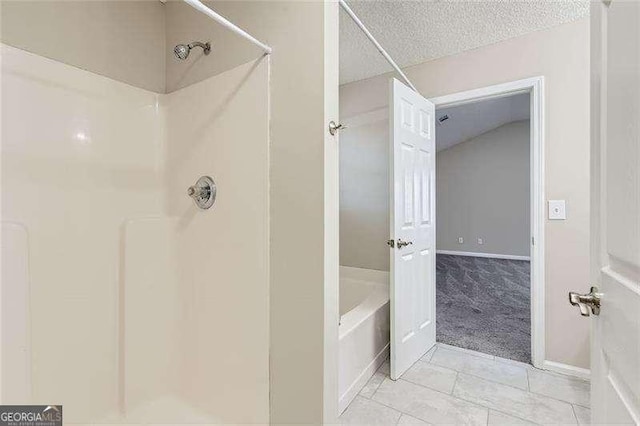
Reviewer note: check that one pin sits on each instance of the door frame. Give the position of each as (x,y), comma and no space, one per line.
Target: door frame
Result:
(535,87)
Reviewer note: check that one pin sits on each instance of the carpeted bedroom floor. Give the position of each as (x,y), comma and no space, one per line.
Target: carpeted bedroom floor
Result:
(483,304)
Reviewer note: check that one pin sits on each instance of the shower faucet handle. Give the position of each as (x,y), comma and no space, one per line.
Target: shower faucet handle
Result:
(203,192)
(198,191)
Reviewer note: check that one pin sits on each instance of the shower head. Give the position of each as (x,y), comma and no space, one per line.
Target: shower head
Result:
(182,50)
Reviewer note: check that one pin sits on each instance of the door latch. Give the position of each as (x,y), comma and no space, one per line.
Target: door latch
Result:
(586,301)
(399,244)
(403,243)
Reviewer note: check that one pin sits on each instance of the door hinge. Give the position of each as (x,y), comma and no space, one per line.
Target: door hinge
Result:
(533,241)
(391,243)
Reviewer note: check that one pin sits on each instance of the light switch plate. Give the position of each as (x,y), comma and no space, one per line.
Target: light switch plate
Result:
(557,210)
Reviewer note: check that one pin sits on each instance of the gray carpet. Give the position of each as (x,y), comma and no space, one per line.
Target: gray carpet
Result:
(483,304)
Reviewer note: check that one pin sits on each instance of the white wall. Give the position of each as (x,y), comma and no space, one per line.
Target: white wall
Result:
(561,55)
(472,119)
(184,24)
(123,40)
(482,191)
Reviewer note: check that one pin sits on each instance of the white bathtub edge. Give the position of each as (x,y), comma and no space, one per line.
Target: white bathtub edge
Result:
(352,319)
(362,379)
(362,274)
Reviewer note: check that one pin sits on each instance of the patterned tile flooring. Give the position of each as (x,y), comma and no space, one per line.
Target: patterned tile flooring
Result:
(450,385)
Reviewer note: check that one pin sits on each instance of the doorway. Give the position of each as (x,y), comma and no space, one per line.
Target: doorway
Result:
(490,294)
(483,232)
(365,206)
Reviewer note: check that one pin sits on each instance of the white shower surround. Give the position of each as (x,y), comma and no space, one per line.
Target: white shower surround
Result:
(131,290)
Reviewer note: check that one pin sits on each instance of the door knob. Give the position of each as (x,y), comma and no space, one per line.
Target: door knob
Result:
(403,243)
(333,127)
(586,301)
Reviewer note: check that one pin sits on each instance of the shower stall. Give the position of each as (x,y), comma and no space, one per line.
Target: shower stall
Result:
(133,291)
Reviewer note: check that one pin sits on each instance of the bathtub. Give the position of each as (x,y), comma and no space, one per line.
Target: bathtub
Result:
(364,329)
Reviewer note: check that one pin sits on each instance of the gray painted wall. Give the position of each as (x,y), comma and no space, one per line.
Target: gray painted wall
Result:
(482,190)
(364,194)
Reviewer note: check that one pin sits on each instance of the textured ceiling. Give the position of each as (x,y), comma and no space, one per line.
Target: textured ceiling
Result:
(470,120)
(417,31)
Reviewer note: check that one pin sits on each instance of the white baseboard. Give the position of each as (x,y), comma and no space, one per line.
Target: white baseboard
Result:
(566,369)
(371,275)
(362,379)
(489,255)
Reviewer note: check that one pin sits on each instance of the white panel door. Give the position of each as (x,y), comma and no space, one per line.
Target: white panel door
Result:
(413,279)
(615,355)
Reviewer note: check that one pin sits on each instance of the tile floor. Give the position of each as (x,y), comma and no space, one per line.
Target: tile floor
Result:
(451,385)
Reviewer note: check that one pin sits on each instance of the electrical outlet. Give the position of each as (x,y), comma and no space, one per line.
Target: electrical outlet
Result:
(460,240)
(557,210)
(480,241)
